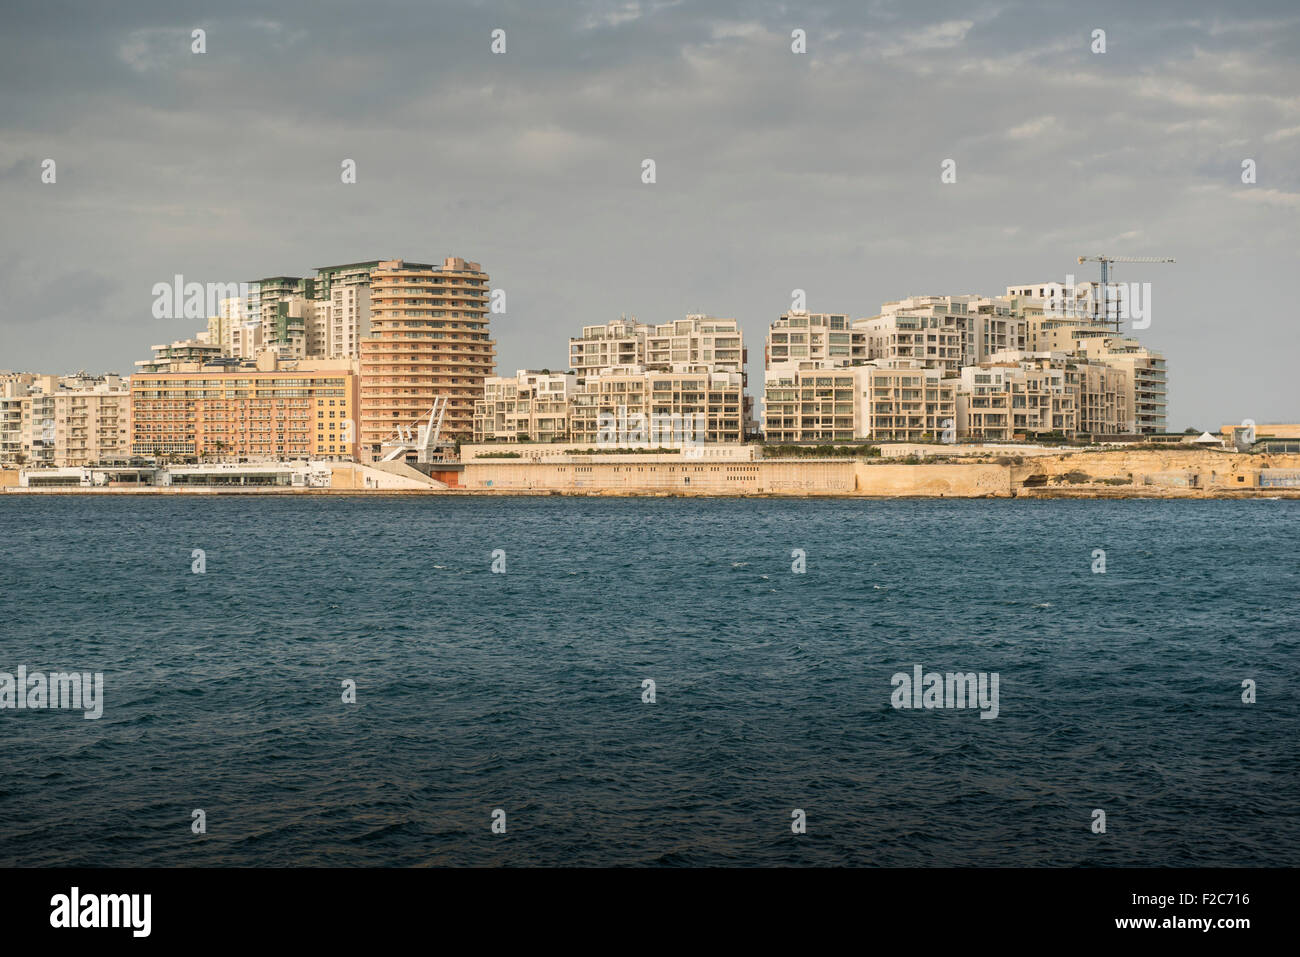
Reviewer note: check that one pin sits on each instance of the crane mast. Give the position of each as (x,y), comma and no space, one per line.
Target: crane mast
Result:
(1105,278)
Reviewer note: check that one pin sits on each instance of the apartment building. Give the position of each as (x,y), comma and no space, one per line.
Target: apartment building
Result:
(1049,333)
(428,338)
(14,387)
(718,396)
(37,440)
(1145,376)
(982,326)
(620,343)
(91,425)
(58,421)
(882,400)
(253,303)
(700,342)
(271,411)
(797,338)
(171,355)
(245,340)
(14,411)
(530,406)
(221,326)
(1080,318)
(315,317)
(1102,397)
(811,400)
(906,401)
(1084,301)
(274,294)
(1001,401)
(348,321)
(316,322)
(934,341)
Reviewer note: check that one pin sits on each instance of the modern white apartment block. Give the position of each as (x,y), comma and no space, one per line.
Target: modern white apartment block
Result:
(1001,401)
(797,338)
(253,303)
(274,295)
(1082,300)
(1145,379)
(229,316)
(620,343)
(932,340)
(718,396)
(530,406)
(698,342)
(984,326)
(1102,396)
(882,400)
(906,401)
(1038,361)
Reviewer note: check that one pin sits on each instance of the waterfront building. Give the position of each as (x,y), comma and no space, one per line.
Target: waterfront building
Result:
(983,326)
(270,411)
(57,421)
(883,400)
(1145,379)
(14,388)
(428,339)
(702,343)
(934,341)
(705,343)
(800,337)
(1003,401)
(530,406)
(91,425)
(620,343)
(719,397)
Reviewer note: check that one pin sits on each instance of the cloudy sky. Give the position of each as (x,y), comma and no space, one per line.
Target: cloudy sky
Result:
(775,171)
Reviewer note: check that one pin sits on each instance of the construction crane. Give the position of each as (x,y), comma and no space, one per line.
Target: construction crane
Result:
(1105,276)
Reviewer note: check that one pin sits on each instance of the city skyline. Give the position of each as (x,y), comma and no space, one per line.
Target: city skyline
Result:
(818,171)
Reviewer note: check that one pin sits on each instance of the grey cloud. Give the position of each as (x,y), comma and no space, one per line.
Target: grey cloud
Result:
(776,171)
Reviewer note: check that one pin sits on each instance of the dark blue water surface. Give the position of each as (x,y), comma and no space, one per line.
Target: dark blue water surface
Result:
(523,691)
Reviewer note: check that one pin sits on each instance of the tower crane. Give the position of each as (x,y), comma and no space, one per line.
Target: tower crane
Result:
(1105,276)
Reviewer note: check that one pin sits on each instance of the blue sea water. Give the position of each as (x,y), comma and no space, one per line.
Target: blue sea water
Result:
(523,691)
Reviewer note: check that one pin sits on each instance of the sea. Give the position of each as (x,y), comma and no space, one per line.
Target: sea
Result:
(414,681)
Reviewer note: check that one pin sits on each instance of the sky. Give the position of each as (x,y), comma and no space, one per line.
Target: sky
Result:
(774,170)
